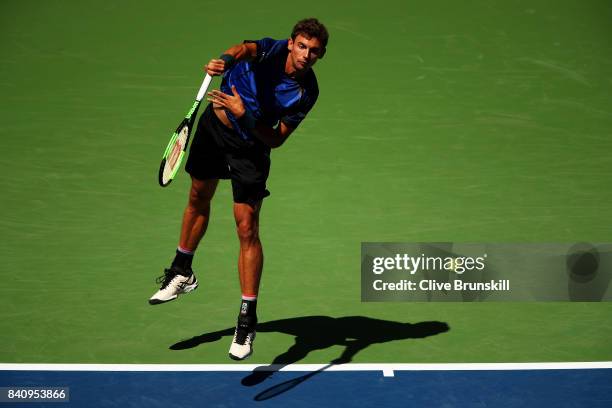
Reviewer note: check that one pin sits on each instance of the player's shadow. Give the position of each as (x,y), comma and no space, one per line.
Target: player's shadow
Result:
(312,333)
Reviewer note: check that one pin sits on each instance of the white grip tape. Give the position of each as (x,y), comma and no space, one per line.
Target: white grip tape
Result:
(204,87)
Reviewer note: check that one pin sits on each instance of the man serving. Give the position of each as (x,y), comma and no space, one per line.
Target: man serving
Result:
(268,88)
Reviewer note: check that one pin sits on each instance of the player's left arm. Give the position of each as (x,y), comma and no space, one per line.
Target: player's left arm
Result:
(273,137)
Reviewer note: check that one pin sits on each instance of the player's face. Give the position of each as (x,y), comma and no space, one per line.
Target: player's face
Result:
(304,52)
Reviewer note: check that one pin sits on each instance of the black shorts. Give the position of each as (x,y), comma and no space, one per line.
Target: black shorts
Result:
(217,152)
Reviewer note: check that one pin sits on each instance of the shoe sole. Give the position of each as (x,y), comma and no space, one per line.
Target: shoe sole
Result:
(186,289)
(235,358)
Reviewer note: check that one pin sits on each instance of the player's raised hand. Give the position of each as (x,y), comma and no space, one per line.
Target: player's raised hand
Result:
(233,102)
(215,67)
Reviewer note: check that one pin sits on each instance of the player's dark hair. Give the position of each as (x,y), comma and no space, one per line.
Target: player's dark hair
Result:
(309,28)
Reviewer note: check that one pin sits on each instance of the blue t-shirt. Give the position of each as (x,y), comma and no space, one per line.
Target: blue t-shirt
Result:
(266,91)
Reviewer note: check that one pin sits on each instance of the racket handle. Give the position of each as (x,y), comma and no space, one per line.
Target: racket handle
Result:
(204,87)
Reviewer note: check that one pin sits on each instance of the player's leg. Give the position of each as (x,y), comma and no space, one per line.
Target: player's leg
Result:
(206,164)
(197,213)
(249,166)
(195,222)
(250,258)
(179,278)
(249,189)
(250,265)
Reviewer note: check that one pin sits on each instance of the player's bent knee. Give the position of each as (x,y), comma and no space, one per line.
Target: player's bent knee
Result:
(198,197)
(248,231)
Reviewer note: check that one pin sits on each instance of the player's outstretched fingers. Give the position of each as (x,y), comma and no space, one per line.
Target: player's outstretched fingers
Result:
(217,97)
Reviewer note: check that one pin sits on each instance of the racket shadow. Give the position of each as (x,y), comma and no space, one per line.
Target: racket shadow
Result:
(288,385)
(320,332)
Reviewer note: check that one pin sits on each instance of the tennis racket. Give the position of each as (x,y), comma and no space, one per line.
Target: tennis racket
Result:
(173,155)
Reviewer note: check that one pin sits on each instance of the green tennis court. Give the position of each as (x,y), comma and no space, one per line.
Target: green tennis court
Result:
(478,121)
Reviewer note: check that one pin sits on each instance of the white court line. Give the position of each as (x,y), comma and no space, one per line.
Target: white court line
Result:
(388,373)
(388,370)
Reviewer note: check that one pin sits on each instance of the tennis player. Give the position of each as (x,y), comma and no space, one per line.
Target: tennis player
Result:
(268,88)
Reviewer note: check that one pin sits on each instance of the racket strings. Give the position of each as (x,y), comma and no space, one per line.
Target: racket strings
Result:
(173,161)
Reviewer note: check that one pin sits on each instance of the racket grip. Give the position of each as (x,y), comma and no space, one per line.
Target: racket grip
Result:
(204,87)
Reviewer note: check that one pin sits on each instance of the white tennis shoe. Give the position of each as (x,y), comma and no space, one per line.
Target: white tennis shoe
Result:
(242,343)
(175,281)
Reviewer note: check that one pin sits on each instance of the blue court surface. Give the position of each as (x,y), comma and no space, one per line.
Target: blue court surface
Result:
(338,386)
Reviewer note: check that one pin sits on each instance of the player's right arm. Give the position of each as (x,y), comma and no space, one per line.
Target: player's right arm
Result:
(240,52)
